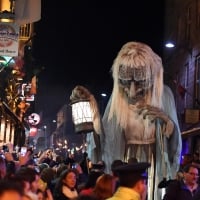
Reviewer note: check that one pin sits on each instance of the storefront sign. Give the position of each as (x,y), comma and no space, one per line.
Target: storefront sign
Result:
(9,38)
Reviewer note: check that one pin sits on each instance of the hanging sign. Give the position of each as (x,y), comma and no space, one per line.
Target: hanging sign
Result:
(192,116)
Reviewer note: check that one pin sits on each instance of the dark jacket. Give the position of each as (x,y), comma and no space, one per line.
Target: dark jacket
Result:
(178,190)
(60,196)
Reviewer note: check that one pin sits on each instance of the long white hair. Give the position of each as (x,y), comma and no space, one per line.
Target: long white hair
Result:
(135,55)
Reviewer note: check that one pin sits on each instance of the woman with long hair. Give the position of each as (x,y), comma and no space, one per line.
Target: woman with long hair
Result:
(65,187)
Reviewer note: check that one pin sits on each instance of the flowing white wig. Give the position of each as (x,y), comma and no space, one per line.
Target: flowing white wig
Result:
(136,55)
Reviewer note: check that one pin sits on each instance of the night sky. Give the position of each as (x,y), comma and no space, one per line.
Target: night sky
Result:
(77,41)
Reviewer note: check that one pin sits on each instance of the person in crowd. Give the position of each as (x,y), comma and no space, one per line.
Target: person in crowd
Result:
(56,161)
(58,171)
(84,163)
(185,188)
(48,176)
(30,177)
(99,166)
(21,161)
(81,177)
(31,160)
(87,189)
(42,166)
(70,160)
(65,187)
(133,182)
(103,164)
(46,157)
(164,183)
(104,187)
(114,164)
(10,169)
(10,190)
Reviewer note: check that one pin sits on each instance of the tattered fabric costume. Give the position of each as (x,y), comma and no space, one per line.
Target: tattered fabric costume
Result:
(140,119)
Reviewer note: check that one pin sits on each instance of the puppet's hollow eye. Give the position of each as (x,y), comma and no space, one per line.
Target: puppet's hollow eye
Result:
(125,83)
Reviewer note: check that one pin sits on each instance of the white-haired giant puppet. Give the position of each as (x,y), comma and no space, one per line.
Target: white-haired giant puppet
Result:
(140,119)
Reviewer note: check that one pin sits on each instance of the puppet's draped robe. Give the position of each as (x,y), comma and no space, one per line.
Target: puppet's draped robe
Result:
(168,150)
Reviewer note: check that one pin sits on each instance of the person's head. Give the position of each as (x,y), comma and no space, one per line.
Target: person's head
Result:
(190,174)
(102,163)
(114,164)
(47,175)
(104,187)
(30,176)
(98,166)
(68,177)
(133,176)
(61,168)
(10,190)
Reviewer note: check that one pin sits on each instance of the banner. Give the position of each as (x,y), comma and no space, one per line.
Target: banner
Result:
(9,39)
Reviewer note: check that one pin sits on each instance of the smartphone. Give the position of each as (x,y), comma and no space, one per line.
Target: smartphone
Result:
(23,151)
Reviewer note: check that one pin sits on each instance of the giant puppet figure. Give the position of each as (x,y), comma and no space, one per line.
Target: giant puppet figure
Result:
(140,119)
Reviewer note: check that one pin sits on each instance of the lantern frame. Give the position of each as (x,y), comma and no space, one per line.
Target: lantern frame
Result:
(82,116)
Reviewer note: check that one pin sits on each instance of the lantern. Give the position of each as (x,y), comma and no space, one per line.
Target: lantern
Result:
(82,116)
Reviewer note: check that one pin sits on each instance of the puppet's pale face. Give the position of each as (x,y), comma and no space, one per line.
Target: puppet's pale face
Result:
(134,82)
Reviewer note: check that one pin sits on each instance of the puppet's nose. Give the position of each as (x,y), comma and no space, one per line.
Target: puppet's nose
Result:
(132,92)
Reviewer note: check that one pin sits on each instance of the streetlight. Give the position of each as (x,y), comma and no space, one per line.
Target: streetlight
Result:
(45,136)
(169,45)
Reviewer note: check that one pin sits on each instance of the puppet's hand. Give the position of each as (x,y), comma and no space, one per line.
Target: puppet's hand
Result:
(157,113)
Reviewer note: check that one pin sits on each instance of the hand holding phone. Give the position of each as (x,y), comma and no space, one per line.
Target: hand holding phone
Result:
(23,151)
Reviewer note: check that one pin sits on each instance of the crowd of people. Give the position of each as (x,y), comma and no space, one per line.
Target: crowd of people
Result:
(54,177)
(186,184)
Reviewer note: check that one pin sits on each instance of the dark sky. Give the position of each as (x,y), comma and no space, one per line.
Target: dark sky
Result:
(77,41)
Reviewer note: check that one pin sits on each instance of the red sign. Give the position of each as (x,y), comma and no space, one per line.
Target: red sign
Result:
(33,131)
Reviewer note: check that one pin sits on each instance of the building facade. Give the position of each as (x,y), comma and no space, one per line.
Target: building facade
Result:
(182,66)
